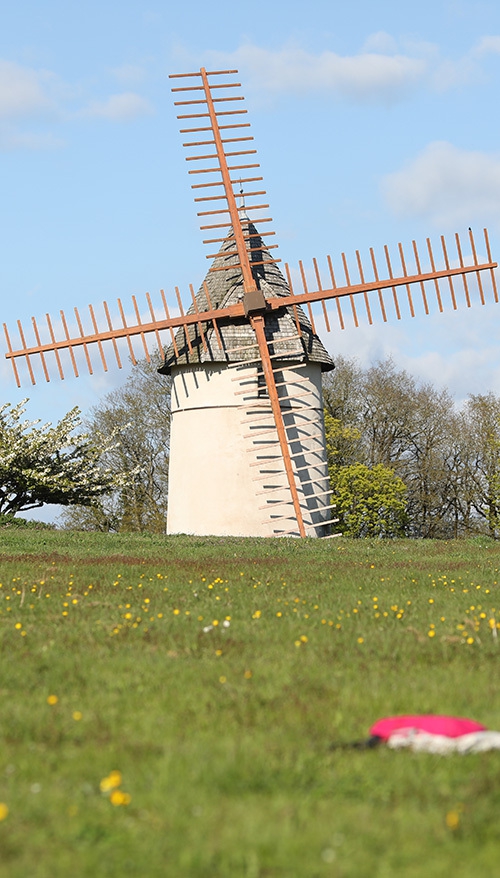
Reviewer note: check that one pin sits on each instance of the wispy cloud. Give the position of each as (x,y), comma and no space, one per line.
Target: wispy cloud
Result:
(35,103)
(446,185)
(365,77)
(119,107)
(449,73)
(24,91)
(489,45)
(29,102)
(447,350)
(385,70)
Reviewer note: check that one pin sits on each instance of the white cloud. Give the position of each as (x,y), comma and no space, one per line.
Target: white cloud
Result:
(380,41)
(385,70)
(446,350)
(447,185)
(29,97)
(368,76)
(451,73)
(23,91)
(487,46)
(119,107)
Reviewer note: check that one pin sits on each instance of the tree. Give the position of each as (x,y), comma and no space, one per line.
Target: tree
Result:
(139,413)
(343,444)
(482,428)
(428,464)
(370,501)
(448,459)
(46,464)
(342,391)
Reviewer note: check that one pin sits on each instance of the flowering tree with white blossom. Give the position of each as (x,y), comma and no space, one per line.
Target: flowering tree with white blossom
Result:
(50,464)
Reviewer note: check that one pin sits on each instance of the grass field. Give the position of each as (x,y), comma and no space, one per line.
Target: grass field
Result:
(168,706)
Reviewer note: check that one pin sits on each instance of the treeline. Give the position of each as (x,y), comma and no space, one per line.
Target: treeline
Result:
(139,414)
(404,459)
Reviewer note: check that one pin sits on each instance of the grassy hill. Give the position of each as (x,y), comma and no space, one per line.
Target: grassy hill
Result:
(169,705)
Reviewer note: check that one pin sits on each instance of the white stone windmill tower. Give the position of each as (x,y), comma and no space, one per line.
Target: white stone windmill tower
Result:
(222,415)
(247,447)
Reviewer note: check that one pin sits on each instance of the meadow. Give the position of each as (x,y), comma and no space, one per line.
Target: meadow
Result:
(173,706)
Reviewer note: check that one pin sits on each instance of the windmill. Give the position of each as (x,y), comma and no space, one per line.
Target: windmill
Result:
(247,442)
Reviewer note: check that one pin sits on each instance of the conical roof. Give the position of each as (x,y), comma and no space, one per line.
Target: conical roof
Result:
(225,287)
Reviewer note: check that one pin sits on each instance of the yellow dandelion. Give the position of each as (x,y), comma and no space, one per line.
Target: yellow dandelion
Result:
(52,699)
(222,679)
(361,640)
(452,820)
(111,782)
(431,633)
(118,797)
(3,811)
(18,625)
(247,675)
(77,715)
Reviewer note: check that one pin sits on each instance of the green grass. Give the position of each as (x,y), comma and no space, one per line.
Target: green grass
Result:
(223,738)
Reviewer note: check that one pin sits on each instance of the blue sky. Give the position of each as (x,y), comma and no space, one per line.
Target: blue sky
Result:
(374,123)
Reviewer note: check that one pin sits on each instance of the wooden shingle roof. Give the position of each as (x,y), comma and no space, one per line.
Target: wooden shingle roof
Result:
(237,337)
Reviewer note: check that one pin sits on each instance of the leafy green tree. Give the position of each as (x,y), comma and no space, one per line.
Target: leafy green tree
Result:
(343,444)
(46,464)
(410,427)
(139,413)
(370,501)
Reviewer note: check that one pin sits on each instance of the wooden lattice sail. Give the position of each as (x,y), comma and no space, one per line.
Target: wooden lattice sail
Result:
(227,189)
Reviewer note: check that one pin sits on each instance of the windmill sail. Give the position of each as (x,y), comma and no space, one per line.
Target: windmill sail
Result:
(428,282)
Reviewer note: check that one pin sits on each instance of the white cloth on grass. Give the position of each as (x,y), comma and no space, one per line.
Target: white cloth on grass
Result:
(424,742)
